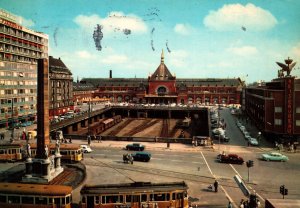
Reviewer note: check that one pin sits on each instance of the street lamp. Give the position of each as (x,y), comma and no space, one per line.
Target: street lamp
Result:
(89,116)
(12,119)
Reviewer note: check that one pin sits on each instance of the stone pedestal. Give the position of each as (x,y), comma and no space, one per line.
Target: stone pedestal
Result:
(42,170)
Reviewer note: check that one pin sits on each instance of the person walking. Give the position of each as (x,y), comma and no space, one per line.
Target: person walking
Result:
(89,139)
(216,184)
(229,205)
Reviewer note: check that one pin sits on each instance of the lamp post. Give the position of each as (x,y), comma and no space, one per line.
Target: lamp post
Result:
(89,116)
(12,119)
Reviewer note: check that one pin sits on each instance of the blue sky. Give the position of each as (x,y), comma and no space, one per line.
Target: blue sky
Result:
(200,38)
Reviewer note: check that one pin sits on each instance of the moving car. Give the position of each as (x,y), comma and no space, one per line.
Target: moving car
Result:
(135,147)
(141,156)
(274,156)
(231,158)
(85,148)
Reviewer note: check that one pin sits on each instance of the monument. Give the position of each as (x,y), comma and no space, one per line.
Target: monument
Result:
(44,166)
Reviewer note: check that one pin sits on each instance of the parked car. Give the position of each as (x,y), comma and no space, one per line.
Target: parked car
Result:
(26,123)
(231,158)
(253,141)
(141,156)
(86,148)
(274,156)
(135,147)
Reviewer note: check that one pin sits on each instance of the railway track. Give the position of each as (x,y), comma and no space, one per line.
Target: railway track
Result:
(123,125)
(165,128)
(146,124)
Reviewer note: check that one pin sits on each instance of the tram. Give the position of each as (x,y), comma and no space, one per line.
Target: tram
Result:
(11,152)
(135,195)
(13,195)
(69,152)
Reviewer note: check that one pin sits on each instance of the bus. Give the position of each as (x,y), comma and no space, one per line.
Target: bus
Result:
(135,195)
(13,195)
(69,152)
(11,152)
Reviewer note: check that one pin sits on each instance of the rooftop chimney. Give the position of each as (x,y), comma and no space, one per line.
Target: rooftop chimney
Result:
(110,74)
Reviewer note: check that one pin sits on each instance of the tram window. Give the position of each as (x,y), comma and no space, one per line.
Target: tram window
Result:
(2,198)
(128,198)
(68,200)
(57,201)
(97,199)
(2,151)
(144,198)
(179,196)
(27,200)
(83,199)
(112,199)
(135,198)
(50,200)
(62,152)
(13,199)
(173,196)
(40,200)
(63,201)
(160,197)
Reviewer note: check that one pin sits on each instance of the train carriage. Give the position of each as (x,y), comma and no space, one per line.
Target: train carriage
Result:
(135,195)
(69,152)
(11,152)
(16,195)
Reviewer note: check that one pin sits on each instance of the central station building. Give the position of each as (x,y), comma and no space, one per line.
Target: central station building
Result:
(164,88)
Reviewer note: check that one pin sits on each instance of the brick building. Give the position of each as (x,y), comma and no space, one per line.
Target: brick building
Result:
(60,88)
(275,109)
(163,87)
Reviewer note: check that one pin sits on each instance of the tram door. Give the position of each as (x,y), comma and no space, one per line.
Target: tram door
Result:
(90,202)
(179,199)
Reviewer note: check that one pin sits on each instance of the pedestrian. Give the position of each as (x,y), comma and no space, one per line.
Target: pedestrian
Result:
(99,138)
(94,138)
(229,205)
(216,184)
(89,139)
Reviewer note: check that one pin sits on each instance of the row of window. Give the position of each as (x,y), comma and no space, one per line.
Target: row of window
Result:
(107,199)
(19,83)
(7,48)
(22,34)
(19,66)
(15,199)
(11,57)
(17,91)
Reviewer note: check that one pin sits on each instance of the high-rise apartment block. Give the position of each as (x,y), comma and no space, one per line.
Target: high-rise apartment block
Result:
(20,48)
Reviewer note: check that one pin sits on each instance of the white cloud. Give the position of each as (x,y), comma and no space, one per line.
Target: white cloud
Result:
(243,51)
(24,22)
(84,54)
(115,59)
(177,58)
(114,22)
(234,16)
(295,52)
(182,29)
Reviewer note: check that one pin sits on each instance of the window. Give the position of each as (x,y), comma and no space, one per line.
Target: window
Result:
(297,122)
(298,110)
(278,109)
(2,198)
(40,200)
(278,122)
(13,199)
(27,200)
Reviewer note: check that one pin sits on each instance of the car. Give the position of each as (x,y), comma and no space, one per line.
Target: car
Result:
(253,141)
(26,123)
(274,156)
(86,148)
(231,158)
(141,156)
(135,147)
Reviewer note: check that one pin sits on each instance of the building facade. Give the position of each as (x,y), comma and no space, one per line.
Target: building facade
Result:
(275,109)
(60,88)
(20,48)
(164,88)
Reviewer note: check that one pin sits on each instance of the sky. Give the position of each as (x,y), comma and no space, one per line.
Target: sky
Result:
(200,38)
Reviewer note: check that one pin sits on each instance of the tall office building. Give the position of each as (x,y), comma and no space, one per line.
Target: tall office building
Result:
(20,48)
